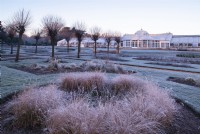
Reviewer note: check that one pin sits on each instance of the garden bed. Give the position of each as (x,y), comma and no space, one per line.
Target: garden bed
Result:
(111,57)
(125,105)
(41,70)
(170,59)
(186,81)
(105,51)
(188,55)
(56,67)
(170,64)
(66,50)
(185,122)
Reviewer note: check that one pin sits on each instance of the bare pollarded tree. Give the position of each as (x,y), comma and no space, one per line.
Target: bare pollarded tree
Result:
(117,37)
(11,34)
(52,25)
(20,21)
(66,33)
(79,28)
(2,35)
(95,33)
(37,35)
(108,38)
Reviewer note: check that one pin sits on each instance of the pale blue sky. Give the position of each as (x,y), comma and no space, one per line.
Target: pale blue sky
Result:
(126,16)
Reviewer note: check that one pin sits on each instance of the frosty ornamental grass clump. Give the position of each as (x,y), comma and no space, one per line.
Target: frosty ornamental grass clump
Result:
(31,106)
(83,82)
(102,66)
(143,107)
(55,66)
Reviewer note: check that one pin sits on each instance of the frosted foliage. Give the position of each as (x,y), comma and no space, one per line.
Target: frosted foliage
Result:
(144,107)
(31,106)
(103,66)
(83,81)
(134,114)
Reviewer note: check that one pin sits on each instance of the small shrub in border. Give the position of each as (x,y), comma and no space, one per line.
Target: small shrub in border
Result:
(198,82)
(188,55)
(53,65)
(102,66)
(186,81)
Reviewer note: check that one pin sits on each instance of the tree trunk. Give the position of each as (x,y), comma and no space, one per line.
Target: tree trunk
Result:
(79,49)
(108,48)
(95,48)
(11,50)
(18,48)
(117,48)
(36,43)
(52,44)
(1,41)
(68,46)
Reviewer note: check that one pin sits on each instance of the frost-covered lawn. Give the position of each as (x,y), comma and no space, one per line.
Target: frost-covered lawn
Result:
(13,80)
(187,94)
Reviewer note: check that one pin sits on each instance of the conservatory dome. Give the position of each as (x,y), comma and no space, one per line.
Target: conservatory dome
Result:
(141,33)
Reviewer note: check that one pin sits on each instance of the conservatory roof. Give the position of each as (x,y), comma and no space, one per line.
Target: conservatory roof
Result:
(186,39)
(164,36)
(143,35)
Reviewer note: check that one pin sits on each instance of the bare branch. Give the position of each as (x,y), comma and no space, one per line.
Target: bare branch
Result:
(37,34)
(52,25)
(79,28)
(117,37)
(108,37)
(2,33)
(66,33)
(21,21)
(10,30)
(95,33)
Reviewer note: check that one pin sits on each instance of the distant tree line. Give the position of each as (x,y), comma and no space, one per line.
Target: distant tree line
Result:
(53,28)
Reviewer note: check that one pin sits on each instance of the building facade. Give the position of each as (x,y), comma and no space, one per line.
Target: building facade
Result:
(185,41)
(142,39)
(86,42)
